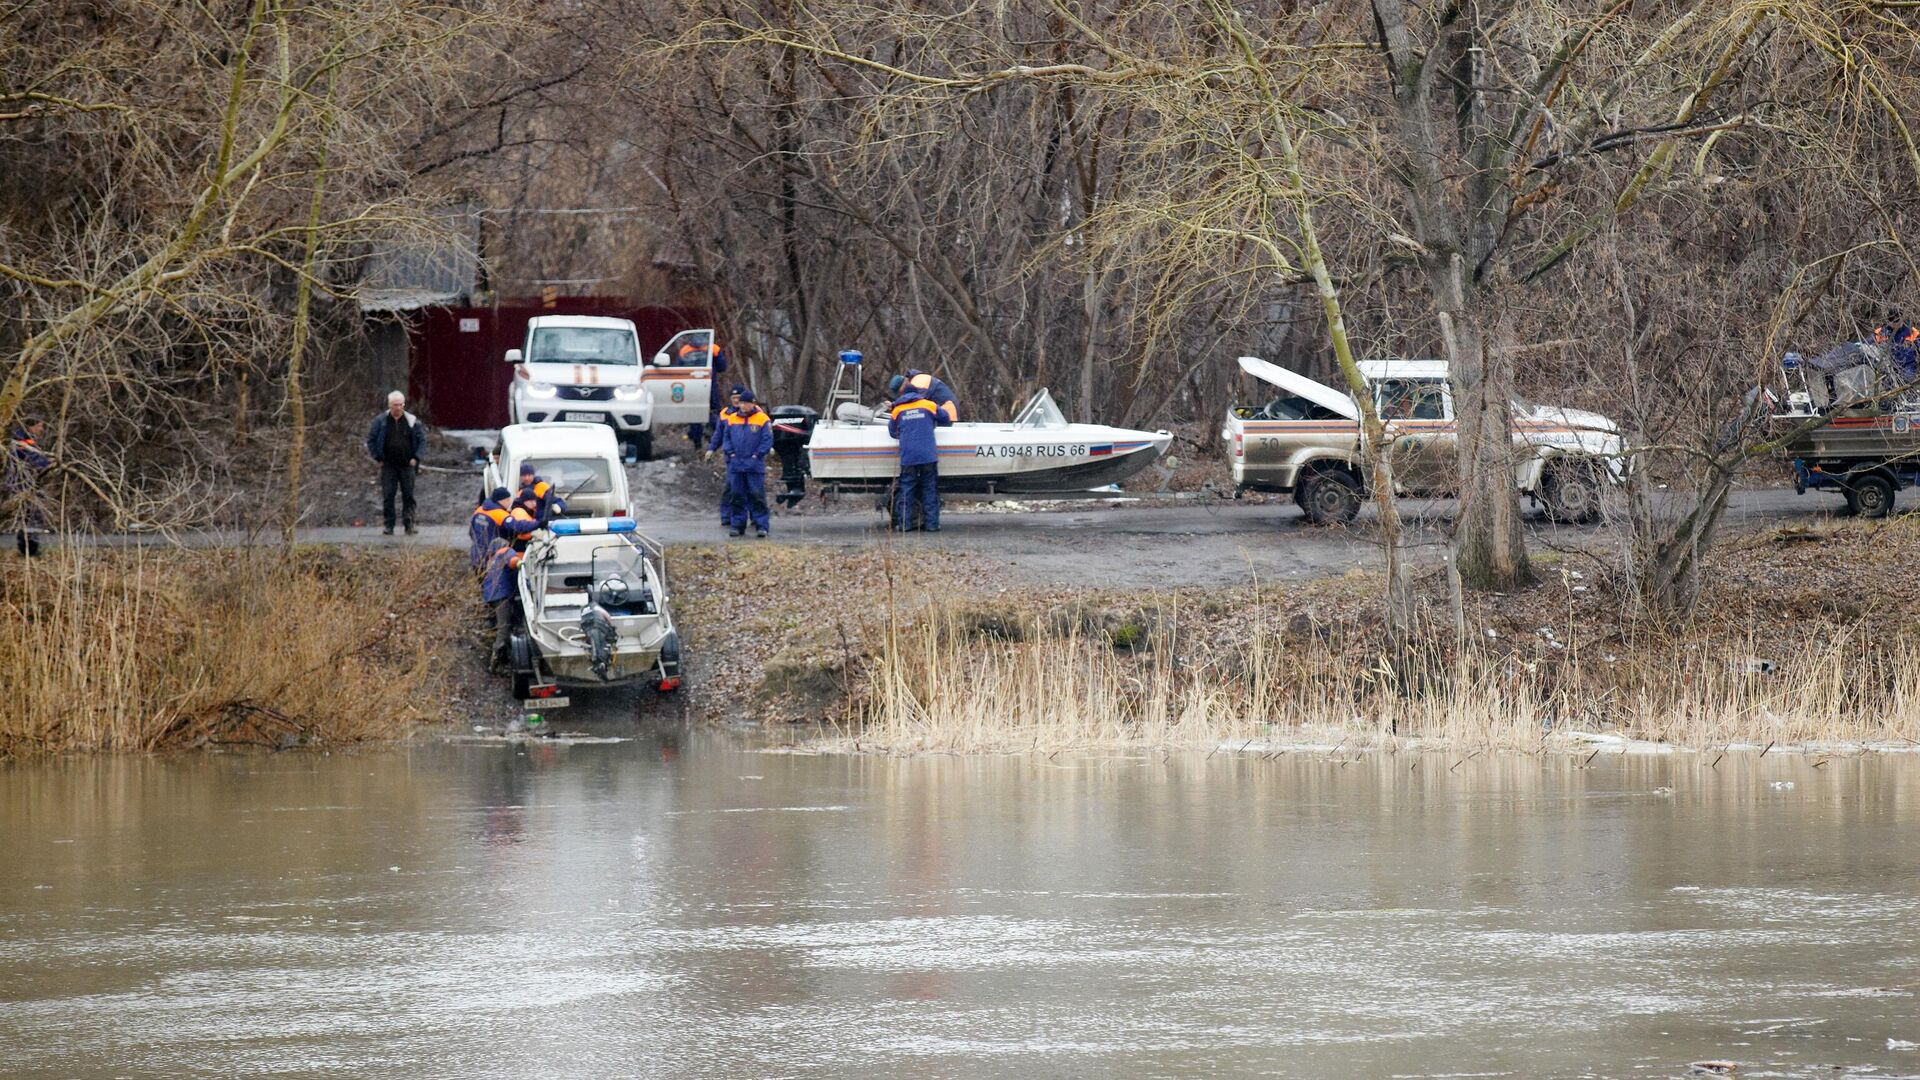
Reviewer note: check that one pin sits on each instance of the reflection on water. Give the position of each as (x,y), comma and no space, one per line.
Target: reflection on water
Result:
(676,906)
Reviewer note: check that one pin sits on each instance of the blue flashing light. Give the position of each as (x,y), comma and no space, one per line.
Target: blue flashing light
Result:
(591,526)
(852,356)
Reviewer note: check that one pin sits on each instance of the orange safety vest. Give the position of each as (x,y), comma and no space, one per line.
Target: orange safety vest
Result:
(906,406)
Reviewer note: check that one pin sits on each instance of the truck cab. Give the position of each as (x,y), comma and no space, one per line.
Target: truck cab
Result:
(1305,441)
(583,369)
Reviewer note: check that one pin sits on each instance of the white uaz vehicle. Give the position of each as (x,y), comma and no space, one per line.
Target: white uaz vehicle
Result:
(1305,442)
(583,369)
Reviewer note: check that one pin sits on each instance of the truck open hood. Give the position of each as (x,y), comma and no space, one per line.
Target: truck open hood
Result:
(1300,386)
(1577,419)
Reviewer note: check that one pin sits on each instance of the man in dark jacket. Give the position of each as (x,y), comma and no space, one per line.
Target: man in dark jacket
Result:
(500,591)
(483,528)
(26,461)
(746,440)
(912,422)
(921,382)
(396,442)
(727,415)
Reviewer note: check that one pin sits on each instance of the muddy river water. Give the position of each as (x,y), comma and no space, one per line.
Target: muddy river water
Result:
(676,905)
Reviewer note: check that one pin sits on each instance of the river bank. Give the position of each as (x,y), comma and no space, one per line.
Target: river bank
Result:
(1803,637)
(903,646)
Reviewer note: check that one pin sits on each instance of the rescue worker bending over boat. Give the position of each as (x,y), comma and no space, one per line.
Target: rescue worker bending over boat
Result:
(1901,341)
(723,418)
(746,440)
(500,590)
(485,524)
(935,391)
(913,421)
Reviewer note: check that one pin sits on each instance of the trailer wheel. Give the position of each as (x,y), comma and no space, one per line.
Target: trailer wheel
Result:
(1330,498)
(1571,493)
(1871,496)
(526,659)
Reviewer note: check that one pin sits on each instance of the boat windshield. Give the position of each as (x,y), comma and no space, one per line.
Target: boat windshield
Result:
(582,345)
(575,475)
(1040,412)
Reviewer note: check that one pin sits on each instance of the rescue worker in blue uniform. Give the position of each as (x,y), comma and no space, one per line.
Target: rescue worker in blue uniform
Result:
(500,590)
(921,382)
(746,441)
(1901,340)
(484,527)
(25,463)
(724,417)
(913,421)
(716,366)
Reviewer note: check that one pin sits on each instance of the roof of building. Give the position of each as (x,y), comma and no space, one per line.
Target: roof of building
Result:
(439,266)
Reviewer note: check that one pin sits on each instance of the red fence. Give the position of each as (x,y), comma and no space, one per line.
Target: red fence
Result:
(457,374)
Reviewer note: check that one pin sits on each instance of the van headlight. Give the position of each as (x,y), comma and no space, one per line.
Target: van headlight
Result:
(629,393)
(540,389)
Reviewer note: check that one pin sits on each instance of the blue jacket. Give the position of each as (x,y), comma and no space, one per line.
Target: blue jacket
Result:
(482,529)
(720,423)
(747,440)
(912,421)
(936,391)
(551,504)
(716,398)
(377,437)
(501,578)
(28,462)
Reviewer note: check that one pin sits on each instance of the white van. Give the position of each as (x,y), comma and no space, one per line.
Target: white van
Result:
(581,461)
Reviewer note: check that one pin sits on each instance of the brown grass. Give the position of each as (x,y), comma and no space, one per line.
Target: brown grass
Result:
(1191,674)
(157,649)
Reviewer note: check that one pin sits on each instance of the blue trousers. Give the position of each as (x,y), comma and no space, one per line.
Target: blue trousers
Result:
(747,496)
(918,484)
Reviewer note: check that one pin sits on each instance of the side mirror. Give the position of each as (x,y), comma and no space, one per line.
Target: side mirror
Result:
(660,358)
(514,356)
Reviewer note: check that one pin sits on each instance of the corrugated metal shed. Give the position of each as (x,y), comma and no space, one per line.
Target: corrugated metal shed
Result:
(431,271)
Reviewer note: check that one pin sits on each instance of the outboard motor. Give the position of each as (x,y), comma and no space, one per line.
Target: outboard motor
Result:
(792,429)
(596,626)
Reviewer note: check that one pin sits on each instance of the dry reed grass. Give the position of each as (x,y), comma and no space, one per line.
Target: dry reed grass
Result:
(955,682)
(155,649)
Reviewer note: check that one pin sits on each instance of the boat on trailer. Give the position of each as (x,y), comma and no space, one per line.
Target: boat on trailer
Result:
(1037,453)
(594,591)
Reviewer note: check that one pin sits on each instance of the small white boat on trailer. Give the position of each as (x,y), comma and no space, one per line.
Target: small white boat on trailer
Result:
(594,591)
(1037,453)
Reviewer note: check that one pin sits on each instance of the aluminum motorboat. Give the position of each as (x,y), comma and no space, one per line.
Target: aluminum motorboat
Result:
(594,592)
(1037,453)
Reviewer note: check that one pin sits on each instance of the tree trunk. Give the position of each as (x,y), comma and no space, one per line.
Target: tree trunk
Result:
(302,325)
(1489,547)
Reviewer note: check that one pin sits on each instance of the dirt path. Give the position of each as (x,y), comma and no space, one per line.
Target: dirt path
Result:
(1205,541)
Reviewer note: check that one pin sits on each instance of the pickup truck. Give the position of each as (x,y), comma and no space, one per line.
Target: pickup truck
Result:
(1306,442)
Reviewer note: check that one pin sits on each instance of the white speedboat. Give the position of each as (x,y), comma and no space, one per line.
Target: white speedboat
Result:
(1038,452)
(595,596)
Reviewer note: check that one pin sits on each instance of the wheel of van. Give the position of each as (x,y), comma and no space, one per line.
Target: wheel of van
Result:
(1571,493)
(1871,496)
(1330,498)
(642,444)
